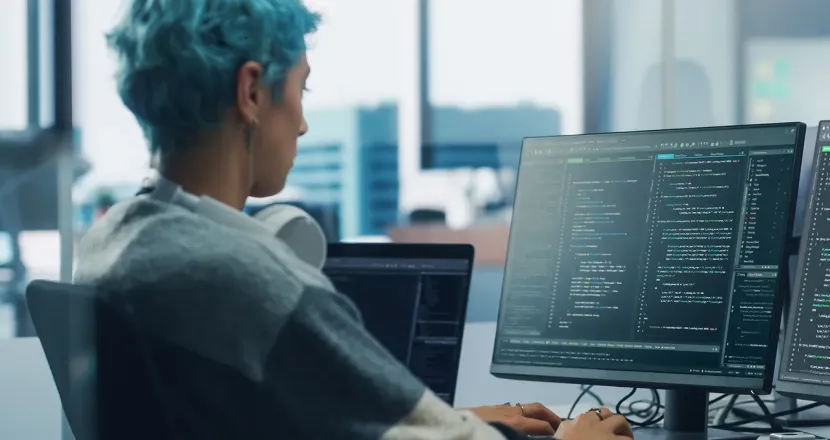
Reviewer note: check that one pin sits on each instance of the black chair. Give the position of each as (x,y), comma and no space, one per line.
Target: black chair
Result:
(99,363)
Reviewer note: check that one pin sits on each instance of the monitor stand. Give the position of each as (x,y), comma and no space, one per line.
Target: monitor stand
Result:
(686,417)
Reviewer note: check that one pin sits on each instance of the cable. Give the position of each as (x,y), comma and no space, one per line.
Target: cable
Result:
(764,409)
(735,408)
(618,409)
(642,413)
(766,417)
(593,395)
(719,398)
(654,406)
(723,413)
(653,417)
(656,417)
(576,402)
(651,412)
(585,390)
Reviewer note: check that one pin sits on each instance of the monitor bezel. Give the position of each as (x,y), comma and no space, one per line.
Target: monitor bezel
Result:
(788,387)
(437,251)
(670,381)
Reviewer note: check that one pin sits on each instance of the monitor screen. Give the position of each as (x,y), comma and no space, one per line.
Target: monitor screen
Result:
(806,356)
(414,305)
(649,257)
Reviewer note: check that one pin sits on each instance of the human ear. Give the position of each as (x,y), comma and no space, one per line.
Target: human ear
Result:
(249,97)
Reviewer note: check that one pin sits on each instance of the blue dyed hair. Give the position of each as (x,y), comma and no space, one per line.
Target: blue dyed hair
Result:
(179,59)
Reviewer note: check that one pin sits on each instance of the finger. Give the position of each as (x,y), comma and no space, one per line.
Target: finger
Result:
(589,418)
(619,426)
(606,413)
(532,426)
(541,412)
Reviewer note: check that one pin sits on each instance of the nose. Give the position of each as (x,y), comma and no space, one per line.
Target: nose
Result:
(303,128)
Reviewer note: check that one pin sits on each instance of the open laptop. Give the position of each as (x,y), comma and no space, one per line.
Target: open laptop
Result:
(413,298)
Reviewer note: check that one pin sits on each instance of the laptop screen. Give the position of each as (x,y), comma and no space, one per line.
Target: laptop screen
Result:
(415,305)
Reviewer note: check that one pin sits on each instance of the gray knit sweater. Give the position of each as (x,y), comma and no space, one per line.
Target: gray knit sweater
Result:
(267,348)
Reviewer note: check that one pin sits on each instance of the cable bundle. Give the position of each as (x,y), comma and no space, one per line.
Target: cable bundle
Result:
(649,412)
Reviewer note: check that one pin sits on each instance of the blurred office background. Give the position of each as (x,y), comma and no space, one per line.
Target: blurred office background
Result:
(417,110)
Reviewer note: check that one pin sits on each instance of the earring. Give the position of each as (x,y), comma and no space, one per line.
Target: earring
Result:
(249,133)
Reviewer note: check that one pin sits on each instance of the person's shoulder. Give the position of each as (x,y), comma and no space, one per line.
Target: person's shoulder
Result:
(152,243)
(198,285)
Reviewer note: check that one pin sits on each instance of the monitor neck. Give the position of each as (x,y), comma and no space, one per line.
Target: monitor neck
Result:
(687,410)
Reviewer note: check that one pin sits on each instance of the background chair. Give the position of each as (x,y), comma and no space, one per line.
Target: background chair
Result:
(99,364)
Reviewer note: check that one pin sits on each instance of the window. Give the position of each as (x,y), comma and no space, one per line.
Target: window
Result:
(514,71)
(111,139)
(356,82)
(525,56)
(351,66)
(13,55)
(19,81)
(633,44)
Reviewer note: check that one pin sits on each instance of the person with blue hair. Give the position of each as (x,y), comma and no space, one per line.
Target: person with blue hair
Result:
(261,345)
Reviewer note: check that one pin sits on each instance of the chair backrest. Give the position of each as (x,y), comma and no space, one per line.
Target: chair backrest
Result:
(97,363)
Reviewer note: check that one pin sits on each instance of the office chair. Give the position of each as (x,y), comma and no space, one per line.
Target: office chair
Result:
(100,364)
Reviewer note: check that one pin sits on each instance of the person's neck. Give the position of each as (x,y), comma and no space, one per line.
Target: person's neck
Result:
(219,176)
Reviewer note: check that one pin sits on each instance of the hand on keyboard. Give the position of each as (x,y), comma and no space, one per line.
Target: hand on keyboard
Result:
(593,426)
(527,418)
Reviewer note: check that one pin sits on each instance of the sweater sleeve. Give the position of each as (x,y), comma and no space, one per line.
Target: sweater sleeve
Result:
(335,381)
(511,434)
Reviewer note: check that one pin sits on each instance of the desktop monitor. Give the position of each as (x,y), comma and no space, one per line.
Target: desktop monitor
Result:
(413,299)
(805,362)
(651,259)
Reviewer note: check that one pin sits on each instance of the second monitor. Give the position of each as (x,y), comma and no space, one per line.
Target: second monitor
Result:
(651,259)
(805,364)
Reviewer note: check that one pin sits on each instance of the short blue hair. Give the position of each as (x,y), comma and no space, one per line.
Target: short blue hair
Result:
(179,59)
